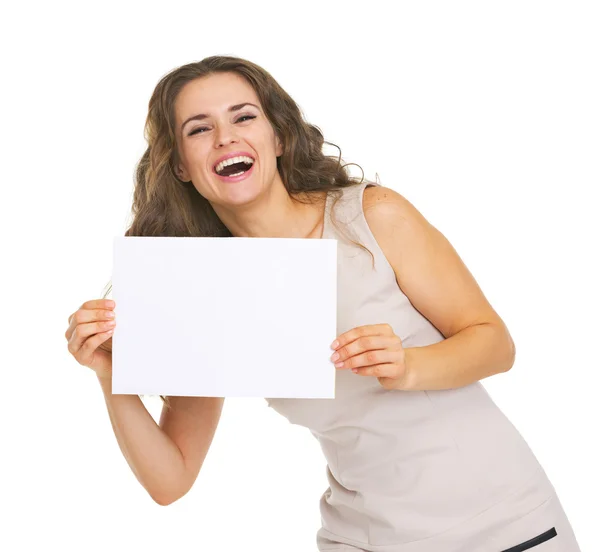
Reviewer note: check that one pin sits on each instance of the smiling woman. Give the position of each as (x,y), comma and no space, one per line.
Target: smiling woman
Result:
(198,116)
(419,457)
(223,134)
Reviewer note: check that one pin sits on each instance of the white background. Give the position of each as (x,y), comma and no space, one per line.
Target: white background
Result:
(485,115)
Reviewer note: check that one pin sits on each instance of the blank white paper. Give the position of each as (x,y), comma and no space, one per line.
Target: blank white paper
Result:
(224,317)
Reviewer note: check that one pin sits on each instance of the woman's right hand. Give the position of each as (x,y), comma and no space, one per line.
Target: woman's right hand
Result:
(89,335)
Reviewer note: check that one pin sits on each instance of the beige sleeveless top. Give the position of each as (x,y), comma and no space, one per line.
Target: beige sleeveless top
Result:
(405,466)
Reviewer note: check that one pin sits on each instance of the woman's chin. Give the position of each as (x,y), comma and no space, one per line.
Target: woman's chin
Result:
(239,193)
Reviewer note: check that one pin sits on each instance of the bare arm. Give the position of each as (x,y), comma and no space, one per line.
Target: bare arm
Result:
(166,457)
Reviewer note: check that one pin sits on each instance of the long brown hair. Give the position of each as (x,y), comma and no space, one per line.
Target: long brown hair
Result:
(163,205)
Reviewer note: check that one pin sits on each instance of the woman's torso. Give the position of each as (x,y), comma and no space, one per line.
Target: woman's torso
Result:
(404,466)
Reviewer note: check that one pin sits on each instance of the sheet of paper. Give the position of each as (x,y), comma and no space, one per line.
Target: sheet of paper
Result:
(224,317)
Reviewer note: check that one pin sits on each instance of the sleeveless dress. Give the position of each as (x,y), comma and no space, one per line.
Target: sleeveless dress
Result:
(416,471)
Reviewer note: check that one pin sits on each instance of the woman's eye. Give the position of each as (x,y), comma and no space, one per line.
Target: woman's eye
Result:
(197,130)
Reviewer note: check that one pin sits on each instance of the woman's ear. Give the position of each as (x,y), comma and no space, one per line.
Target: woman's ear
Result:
(279,147)
(181,173)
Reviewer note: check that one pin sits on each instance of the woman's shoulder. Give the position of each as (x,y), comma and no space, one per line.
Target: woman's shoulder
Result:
(380,202)
(395,223)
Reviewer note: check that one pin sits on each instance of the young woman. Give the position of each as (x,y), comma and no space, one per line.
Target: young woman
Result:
(419,457)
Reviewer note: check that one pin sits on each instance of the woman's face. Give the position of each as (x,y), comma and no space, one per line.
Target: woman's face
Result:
(202,142)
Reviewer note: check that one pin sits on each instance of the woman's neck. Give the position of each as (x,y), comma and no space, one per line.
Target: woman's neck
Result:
(277,216)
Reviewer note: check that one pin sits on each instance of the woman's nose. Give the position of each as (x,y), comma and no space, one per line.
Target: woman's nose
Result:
(225,135)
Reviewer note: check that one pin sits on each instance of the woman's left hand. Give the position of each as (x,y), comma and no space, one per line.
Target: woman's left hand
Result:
(373,350)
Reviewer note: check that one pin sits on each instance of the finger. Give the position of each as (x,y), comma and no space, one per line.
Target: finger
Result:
(362,344)
(385,370)
(106,304)
(85,317)
(83,331)
(370,358)
(86,352)
(88,315)
(353,334)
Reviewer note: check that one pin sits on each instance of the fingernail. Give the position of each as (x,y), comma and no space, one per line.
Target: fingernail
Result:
(335,344)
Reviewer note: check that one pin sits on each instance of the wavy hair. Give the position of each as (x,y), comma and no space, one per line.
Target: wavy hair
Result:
(164,205)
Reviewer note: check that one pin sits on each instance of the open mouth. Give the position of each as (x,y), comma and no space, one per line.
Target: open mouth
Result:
(234,167)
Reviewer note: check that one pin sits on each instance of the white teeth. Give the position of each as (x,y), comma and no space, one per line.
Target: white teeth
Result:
(233,160)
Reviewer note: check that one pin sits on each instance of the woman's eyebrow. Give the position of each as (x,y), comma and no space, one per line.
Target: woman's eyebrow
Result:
(200,116)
